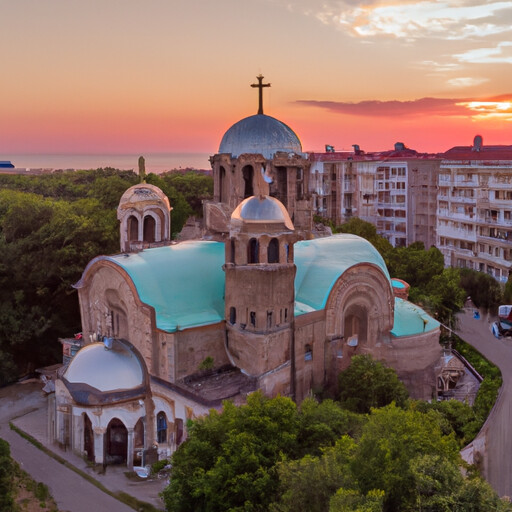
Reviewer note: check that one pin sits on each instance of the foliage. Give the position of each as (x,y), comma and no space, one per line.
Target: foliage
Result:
(228,462)
(390,441)
(51,226)
(207,363)
(415,265)
(460,418)
(308,484)
(364,229)
(367,383)
(194,186)
(483,289)
(348,500)
(6,483)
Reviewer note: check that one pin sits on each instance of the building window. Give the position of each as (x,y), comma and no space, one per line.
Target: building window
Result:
(269,319)
(232,315)
(161,427)
(308,353)
(253,251)
(273,251)
(253,318)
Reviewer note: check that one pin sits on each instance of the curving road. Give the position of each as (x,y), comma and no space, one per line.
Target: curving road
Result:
(71,492)
(495,437)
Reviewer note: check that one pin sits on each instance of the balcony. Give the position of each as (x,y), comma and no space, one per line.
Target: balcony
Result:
(459,234)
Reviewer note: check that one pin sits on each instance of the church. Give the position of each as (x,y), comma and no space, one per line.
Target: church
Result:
(258,302)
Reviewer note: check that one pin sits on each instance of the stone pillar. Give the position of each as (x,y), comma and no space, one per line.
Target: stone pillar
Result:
(77,433)
(129,449)
(99,444)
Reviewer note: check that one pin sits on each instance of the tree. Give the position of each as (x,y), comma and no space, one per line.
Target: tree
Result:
(6,474)
(367,383)
(483,289)
(228,461)
(390,441)
(307,484)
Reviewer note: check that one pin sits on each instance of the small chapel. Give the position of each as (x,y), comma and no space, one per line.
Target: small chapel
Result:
(172,329)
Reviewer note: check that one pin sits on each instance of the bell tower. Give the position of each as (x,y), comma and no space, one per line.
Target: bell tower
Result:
(260,293)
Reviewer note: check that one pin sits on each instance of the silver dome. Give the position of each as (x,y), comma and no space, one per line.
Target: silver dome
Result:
(260,134)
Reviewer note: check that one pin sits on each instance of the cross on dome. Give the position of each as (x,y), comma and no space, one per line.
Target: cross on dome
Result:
(260,86)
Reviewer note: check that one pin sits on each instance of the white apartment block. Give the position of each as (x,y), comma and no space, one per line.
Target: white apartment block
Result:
(394,190)
(474,208)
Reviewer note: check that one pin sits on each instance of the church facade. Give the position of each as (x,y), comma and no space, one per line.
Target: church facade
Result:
(172,329)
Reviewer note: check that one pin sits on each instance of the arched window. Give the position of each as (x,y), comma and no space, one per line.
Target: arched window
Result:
(247,174)
(149,229)
(161,427)
(308,353)
(273,251)
(233,248)
(232,315)
(222,184)
(133,228)
(253,251)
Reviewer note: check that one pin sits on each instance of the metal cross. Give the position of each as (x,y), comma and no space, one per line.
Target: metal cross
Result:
(260,86)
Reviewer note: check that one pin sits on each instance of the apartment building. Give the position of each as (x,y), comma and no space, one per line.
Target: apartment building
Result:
(396,190)
(474,208)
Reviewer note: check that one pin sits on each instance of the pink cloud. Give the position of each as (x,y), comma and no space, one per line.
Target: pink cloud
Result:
(422,106)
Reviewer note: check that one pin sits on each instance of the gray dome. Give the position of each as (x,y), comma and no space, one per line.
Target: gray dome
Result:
(263,209)
(106,370)
(260,134)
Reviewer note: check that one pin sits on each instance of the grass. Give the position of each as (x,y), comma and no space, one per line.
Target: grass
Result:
(130,501)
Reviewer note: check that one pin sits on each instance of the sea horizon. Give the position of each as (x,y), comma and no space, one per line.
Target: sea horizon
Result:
(154,162)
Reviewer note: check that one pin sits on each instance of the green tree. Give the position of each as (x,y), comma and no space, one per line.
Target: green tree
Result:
(6,475)
(228,461)
(390,441)
(195,187)
(348,500)
(483,289)
(367,383)
(307,484)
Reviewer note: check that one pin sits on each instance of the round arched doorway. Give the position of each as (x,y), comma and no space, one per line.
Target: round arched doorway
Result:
(116,442)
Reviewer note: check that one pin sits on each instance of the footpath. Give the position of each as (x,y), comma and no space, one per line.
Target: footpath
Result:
(25,406)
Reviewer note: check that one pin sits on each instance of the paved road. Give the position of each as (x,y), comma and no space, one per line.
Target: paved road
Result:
(71,492)
(498,428)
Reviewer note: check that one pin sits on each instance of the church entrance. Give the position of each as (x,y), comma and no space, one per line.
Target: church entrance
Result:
(117,442)
(88,438)
(356,326)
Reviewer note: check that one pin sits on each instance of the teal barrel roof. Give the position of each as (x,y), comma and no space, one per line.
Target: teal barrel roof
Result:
(260,134)
(411,319)
(184,283)
(320,262)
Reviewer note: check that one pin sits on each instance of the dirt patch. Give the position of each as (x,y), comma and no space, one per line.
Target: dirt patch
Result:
(31,496)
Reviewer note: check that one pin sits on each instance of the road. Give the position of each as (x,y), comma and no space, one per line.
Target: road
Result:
(498,428)
(71,492)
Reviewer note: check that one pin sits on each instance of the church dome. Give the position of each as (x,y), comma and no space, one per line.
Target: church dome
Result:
(103,370)
(262,209)
(140,195)
(260,134)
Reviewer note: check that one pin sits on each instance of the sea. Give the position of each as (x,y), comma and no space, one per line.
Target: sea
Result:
(155,162)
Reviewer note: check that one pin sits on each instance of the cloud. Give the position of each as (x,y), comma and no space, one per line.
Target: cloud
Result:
(446,19)
(500,106)
(466,81)
(501,54)
(376,108)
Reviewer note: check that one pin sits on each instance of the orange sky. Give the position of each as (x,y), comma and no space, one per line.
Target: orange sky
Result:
(172,75)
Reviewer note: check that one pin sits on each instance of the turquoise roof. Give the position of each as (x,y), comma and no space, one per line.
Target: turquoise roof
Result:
(183,282)
(397,284)
(411,319)
(320,262)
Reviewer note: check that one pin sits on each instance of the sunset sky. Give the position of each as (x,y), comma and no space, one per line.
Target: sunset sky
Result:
(119,76)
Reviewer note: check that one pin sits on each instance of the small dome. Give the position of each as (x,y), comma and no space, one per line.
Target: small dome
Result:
(262,209)
(260,134)
(106,370)
(140,195)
